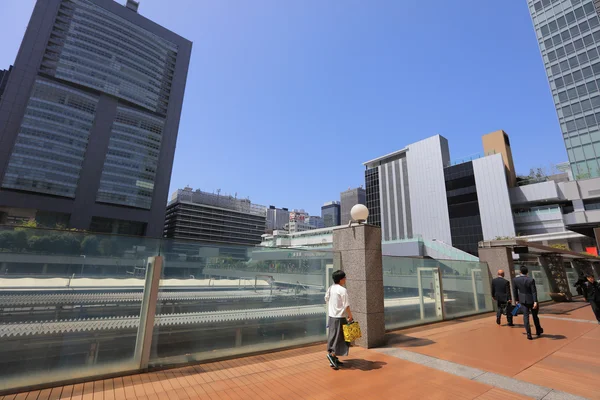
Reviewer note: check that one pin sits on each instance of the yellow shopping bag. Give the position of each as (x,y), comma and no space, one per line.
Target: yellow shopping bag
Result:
(352,332)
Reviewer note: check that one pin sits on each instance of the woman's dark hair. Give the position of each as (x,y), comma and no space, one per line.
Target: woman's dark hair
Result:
(338,276)
(524,270)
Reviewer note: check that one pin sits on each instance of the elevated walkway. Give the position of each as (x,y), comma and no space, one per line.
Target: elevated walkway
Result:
(469,358)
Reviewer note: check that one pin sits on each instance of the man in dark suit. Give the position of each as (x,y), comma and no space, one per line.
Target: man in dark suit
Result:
(525,293)
(501,294)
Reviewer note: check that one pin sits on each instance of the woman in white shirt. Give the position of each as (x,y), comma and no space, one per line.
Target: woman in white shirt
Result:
(339,310)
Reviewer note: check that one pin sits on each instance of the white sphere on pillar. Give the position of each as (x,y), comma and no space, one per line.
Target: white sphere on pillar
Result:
(359,213)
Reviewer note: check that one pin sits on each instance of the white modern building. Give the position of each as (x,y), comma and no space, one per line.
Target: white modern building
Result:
(418,192)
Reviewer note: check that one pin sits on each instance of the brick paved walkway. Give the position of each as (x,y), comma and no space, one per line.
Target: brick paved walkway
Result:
(560,360)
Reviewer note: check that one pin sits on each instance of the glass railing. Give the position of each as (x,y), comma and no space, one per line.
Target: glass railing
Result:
(423,290)
(542,284)
(77,305)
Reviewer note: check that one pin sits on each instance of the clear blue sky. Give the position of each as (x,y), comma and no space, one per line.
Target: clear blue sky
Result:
(286,99)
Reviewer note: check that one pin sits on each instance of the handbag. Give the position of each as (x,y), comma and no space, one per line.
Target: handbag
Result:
(515,310)
(352,332)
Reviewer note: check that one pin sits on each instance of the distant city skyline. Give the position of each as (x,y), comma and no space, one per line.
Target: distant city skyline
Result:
(285,110)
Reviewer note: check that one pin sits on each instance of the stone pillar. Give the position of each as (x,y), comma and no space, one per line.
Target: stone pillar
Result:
(553,265)
(359,247)
(497,258)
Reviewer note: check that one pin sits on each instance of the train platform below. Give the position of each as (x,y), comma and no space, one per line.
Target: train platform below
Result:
(470,358)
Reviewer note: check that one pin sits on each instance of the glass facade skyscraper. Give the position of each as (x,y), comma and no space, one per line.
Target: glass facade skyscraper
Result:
(568,33)
(93,108)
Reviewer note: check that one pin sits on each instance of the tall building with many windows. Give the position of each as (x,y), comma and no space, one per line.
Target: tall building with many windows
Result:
(89,118)
(568,33)
(4,74)
(330,212)
(349,199)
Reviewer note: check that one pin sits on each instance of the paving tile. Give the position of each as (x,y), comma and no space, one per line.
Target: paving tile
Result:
(469,359)
(499,394)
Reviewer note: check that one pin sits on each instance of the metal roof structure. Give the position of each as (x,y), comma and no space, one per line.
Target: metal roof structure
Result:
(53,299)
(119,323)
(35,328)
(536,249)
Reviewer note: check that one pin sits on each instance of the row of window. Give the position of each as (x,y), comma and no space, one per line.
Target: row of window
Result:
(568,18)
(571,33)
(68,170)
(49,146)
(573,62)
(111,36)
(49,150)
(125,188)
(13,180)
(80,30)
(59,133)
(140,33)
(82,75)
(587,152)
(113,75)
(129,140)
(147,175)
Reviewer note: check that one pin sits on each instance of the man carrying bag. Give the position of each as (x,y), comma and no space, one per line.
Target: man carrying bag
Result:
(338,310)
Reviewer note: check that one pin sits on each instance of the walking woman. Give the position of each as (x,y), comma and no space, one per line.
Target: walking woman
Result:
(339,310)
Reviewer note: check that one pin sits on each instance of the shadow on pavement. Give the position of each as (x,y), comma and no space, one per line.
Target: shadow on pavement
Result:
(553,337)
(363,365)
(546,336)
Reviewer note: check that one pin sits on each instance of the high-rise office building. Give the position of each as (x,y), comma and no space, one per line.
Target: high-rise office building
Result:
(330,212)
(4,74)
(315,221)
(214,218)
(349,199)
(90,117)
(568,34)
(277,218)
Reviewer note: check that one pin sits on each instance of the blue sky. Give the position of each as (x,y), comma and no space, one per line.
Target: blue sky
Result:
(286,99)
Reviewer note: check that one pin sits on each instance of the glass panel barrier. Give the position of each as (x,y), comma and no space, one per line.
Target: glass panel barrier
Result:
(69,304)
(572,278)
(410,289)
(464,289)
(542,284)
(220,301)
(403,304)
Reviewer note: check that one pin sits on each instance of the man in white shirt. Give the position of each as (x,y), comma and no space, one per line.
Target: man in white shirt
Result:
(338,310)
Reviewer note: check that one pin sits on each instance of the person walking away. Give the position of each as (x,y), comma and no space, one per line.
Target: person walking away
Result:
(338,310)
(525,293)
(579,284)
(501,294)
(592,292)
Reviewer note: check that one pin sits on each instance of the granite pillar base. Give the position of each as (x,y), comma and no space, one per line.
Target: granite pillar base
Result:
(359,249)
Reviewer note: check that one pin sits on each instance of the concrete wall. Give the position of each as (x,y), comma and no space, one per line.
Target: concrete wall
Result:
(535,192)
(494,200)
(429,206)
